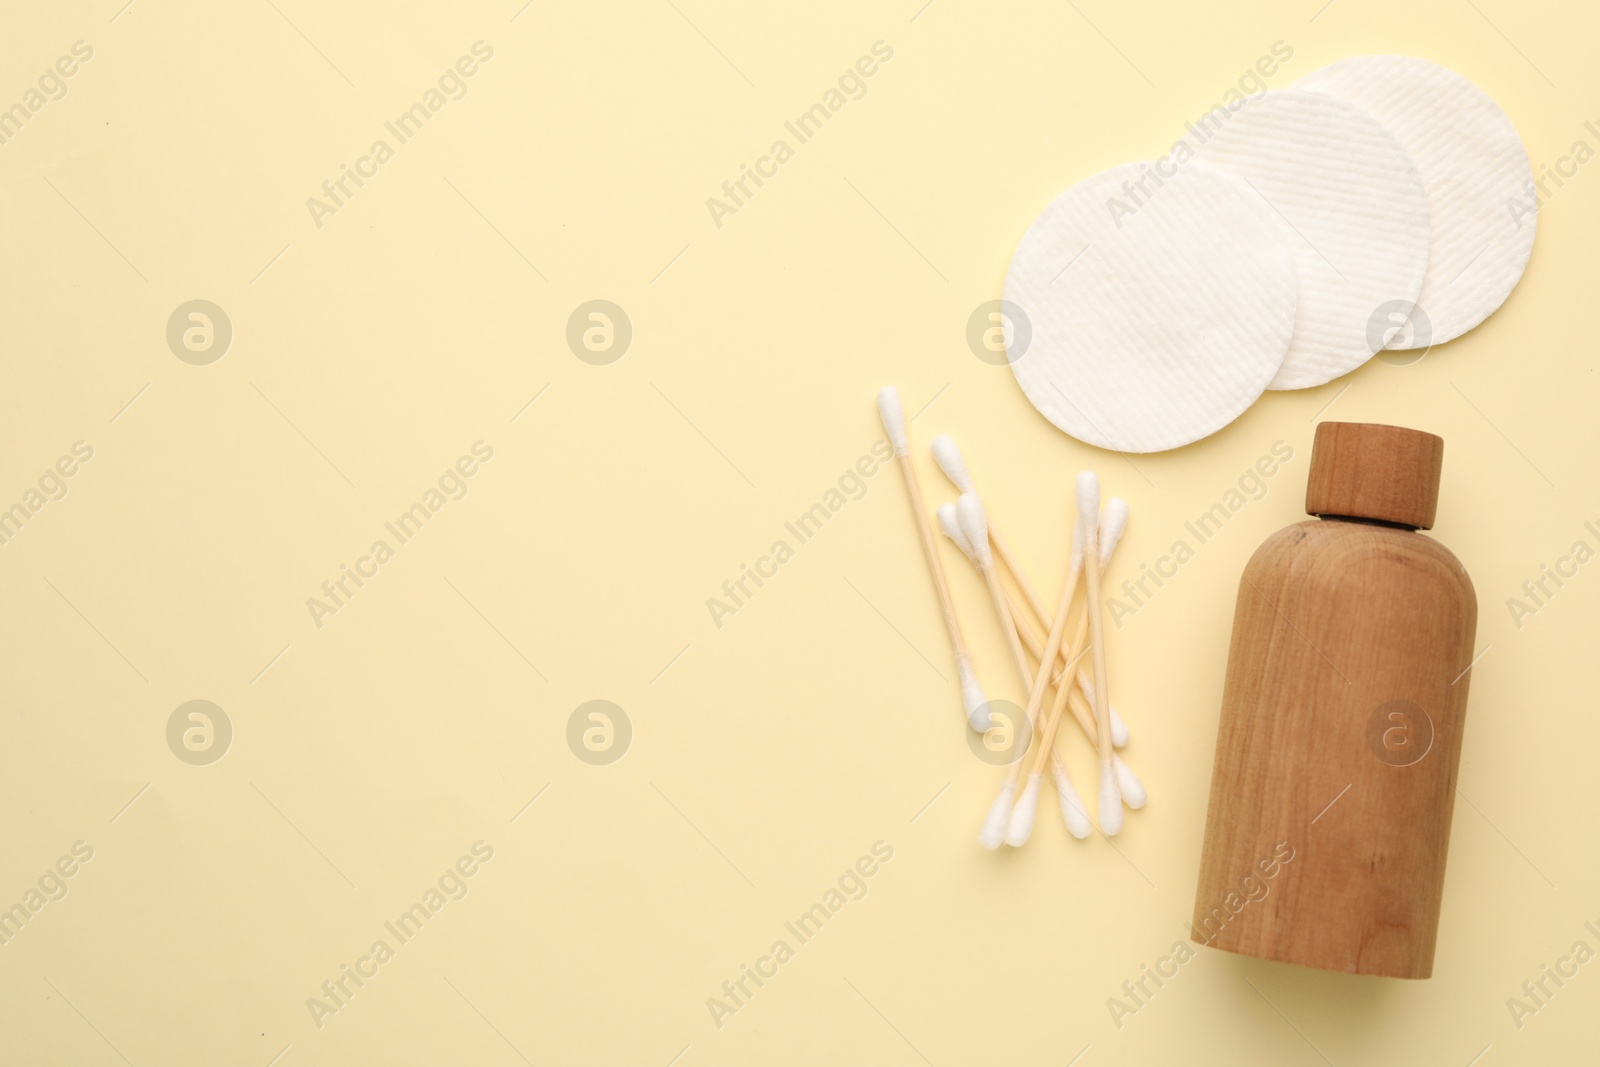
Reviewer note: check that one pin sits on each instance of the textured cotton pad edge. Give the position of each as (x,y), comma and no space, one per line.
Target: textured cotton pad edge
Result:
(1351,205)
(1161,300)
(1475,168)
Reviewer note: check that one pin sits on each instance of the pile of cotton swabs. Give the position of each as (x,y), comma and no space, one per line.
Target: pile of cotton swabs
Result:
(1081,688)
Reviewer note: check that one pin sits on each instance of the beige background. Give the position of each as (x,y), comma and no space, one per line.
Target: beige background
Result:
(767,755)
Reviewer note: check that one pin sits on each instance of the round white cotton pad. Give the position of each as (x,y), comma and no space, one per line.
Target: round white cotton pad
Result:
(1349,202)
(1474,168)
(1159,312)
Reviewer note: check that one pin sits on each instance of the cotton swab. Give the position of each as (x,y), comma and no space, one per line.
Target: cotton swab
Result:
(1073,811)
(1133,791)
(894,423)
(1119,729)
(1116,512)
(950,525)
(1052,644)
(994,824)
(1112,527)
(1016,827)
(954,465)
(975,525)
(1020,825)
(1041,682)
(1080,711)
(1115,523)
(997,821)
(1023,816)
(1031,641)
(1110,809)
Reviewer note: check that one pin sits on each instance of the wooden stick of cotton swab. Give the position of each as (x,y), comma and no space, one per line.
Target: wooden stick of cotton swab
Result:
(1072,808)
(1133,791)
(1111,531)
(950,524)
(954,465)
(1110,809)
(1019,824)
(1013,619)
(894,423)
(1069,665)
(1071,662)
(975,524)
(995,825)
(1021,819)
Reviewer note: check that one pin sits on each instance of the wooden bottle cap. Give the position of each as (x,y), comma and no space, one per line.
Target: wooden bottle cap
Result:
(1366,470)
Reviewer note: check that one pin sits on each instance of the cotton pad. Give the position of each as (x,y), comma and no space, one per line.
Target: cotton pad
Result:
(1473,166)
(1162,300)
(1349,202)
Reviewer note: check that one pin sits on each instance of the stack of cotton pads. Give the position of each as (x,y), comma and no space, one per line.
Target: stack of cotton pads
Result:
(1280,245)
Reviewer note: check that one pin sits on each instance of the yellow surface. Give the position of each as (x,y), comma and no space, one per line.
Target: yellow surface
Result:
(768,755)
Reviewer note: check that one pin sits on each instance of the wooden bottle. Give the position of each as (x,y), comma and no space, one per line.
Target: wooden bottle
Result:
(1341,725)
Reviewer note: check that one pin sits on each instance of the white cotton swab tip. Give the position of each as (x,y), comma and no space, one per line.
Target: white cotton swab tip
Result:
(1020,827)
(950,523)
(1072,809)
(1089,507)
(1119,729)
(949,458)
(1112,526)
(1110,800)
(972,697)
(975,524)
(1132,789)
(994,826)
(894,418)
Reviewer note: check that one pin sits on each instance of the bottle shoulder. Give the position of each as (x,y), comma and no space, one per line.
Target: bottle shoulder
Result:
(1334,549)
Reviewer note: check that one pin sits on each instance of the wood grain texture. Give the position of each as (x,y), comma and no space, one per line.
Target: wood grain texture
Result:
(1375,471)
(1336,759)
(930,553)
